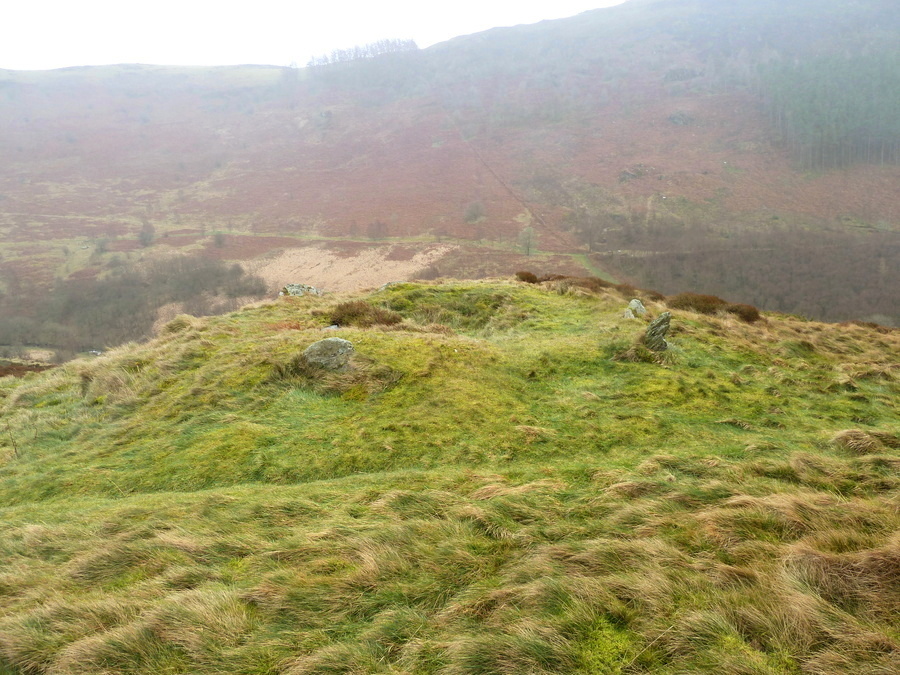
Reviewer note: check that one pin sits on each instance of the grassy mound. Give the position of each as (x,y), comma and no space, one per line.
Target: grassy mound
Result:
(487,491)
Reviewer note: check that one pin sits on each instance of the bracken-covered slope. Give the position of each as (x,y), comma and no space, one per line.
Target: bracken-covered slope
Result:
(756,142)
(504,482)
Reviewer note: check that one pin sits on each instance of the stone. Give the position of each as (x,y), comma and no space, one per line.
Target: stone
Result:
(300,289)
(637,307)
(629,314)
(655,337)
(330,354)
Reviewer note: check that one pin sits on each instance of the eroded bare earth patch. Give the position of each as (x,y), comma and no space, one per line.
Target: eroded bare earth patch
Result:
(329,271)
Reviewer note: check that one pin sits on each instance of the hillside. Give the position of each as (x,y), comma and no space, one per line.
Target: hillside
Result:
(502,483)
(748,149)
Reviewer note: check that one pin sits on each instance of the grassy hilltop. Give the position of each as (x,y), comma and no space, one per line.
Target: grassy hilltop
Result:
(492,489)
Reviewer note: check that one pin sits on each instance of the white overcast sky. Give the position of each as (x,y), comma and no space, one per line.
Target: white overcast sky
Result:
(44,34)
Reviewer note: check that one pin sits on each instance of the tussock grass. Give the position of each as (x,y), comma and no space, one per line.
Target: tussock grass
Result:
(362,314)
(496,494)
(856,441)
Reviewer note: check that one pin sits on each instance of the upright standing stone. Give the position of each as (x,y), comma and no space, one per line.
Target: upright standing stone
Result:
(655,337)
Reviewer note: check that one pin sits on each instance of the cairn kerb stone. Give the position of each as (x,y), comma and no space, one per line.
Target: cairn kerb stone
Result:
(330,354)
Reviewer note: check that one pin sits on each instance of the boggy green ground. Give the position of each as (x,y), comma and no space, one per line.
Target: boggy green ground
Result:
(488,491)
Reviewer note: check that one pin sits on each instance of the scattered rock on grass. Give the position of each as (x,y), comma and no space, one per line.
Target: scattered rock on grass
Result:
(637,307)
(330,354)
(299,289)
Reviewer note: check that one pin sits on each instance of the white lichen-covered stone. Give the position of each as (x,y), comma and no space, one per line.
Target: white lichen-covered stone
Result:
(300,289)
(637,307)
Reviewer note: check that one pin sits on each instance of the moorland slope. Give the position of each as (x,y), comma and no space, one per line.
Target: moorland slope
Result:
(503,483)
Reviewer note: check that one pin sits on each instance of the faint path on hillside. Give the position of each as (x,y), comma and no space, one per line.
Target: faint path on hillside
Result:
(532,212)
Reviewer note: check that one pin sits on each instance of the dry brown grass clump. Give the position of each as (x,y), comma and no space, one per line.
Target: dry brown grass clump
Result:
(696,302)
(888,439)
(737,423)
(364,377)
(535,433)
(361,314)
(871,325)
(866,582)
(711,304)
(594,284)
(287,325)
(492,490)
(856,441)
(181,324)
(747,313)
(638,352)
(113,384)
(562,283)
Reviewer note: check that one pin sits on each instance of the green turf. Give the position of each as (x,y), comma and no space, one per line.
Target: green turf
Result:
(489,490)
